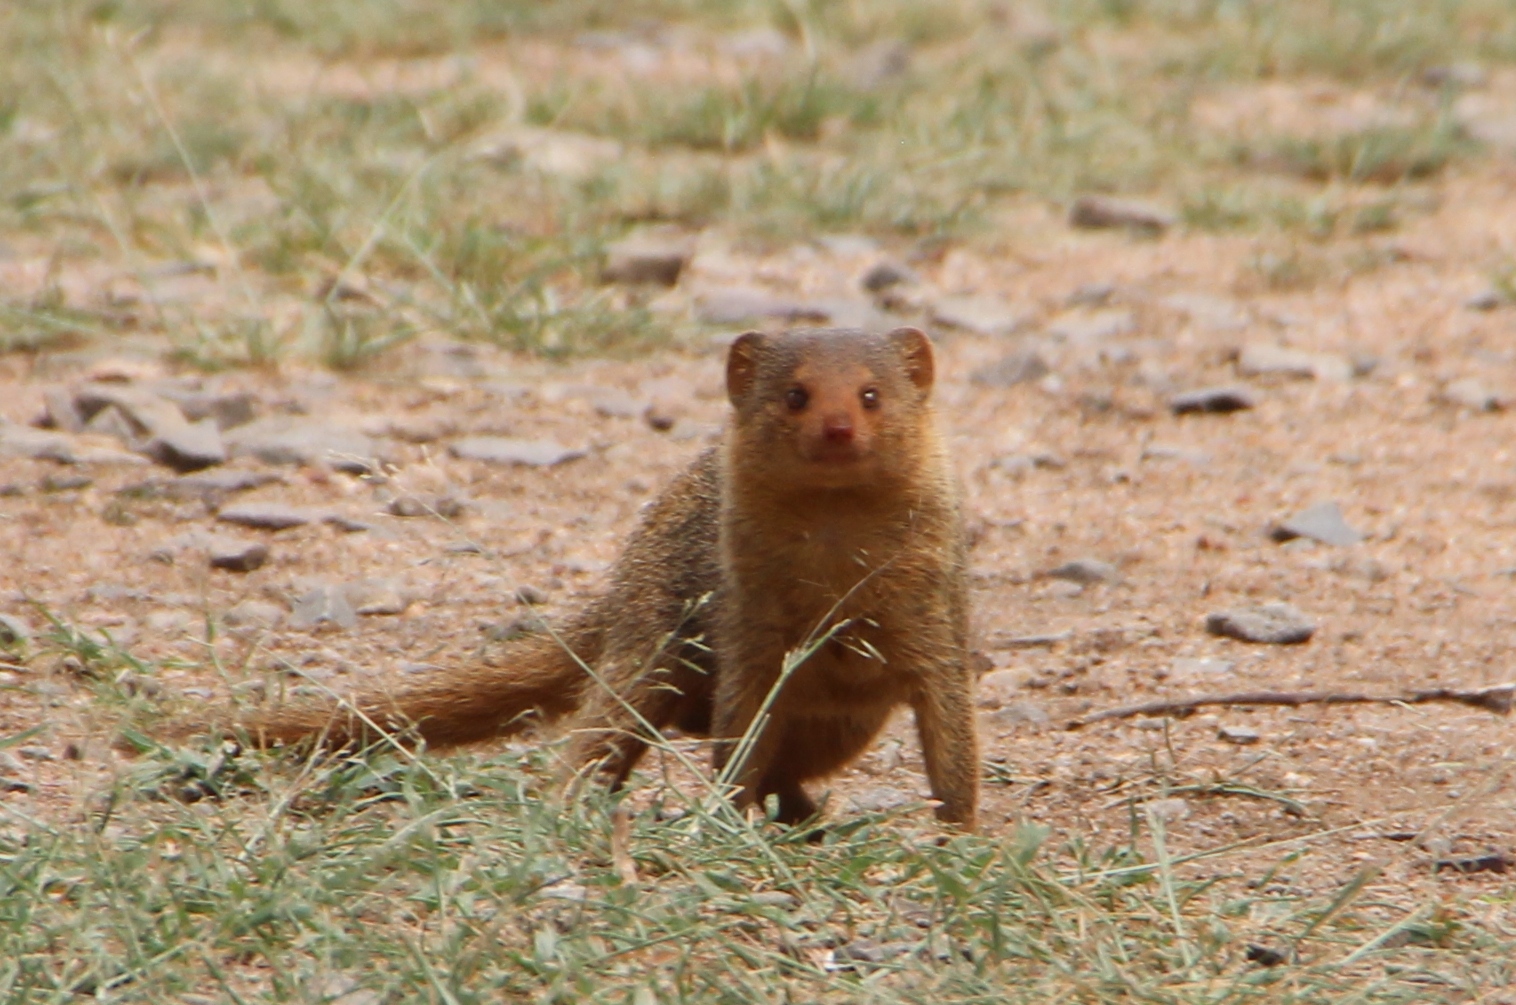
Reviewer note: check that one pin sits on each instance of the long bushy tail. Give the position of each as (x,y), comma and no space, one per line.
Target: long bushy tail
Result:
(538,678)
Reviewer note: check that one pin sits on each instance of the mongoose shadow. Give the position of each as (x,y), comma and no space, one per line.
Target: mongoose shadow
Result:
(826,524)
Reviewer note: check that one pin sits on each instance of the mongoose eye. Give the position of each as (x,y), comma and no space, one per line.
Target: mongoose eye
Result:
(796,398)
(870,397)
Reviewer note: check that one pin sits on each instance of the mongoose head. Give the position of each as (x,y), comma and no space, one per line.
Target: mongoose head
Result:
(832,407)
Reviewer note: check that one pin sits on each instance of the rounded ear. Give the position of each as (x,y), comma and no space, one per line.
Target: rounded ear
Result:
(742,365)
(916,353)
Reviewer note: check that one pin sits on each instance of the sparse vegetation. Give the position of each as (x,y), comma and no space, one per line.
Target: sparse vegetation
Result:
(136,134)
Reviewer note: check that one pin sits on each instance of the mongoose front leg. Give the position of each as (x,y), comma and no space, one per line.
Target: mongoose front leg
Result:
(944,708)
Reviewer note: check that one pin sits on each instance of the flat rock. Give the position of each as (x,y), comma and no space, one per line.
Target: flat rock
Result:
(1200,667)
(1017,715)
(220,481)
(14,632)
(1240,735)
(504,450)
(1485,300)
(736,305)
(1085,571)
(189,446)
(1214,400)
(265,515)
(651,257)
(38,444)
(982,315)
(58,403)
(323,605)
(883,275)
(293,439)
(1273,624)
(1017,368)
(236,555)
(254,614)
(1103,212)
(1083,327)
(1176,452)
(1259,359)
(228,408)
(376,596)
(1472,394)
(1322,522)
(880,798)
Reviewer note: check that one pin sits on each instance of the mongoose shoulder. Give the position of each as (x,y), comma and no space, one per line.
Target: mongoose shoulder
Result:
(820,543)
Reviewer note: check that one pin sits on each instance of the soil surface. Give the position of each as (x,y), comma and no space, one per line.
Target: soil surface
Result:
(1393,405)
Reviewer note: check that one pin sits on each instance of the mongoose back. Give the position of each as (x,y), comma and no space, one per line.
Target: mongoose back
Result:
(826,524)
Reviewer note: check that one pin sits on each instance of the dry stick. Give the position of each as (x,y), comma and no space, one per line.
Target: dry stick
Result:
(1501,698)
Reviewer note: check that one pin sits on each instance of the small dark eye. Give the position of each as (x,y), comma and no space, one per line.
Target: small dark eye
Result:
(870,397)
(796,398)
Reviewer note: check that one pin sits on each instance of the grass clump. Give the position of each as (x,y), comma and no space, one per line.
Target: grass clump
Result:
(209,870)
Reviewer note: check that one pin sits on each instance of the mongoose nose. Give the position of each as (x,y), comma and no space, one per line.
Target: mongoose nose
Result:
(837,429)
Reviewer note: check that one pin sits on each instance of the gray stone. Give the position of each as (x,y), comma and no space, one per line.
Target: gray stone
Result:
(1082,327)
(236,555)
(1471,393)
(217,482)
(1168,810)
(1273,624)
(1485,300)
(61,413)
(265,515)
(1100,211)
(1086,571)
(1240,735)
(254,615)
(1017,368)
(736,305)
(1203,667)
(1262,359)
(649,257)
(292,439)
(1020,714)
(1091,295)
(38,444)
(1323,522)
(14,633)
(323,605)
(1218,400)
(1175,452)
(445,506)
(883,275)
(984,315)
(188,447)
(879,799)
(503,450)
(113,422)
(228,408)
(376,596)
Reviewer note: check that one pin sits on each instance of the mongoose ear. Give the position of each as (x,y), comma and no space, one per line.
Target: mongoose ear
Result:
(916,352)
(742,365)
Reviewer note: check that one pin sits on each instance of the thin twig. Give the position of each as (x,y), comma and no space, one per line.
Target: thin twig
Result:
(1500,698)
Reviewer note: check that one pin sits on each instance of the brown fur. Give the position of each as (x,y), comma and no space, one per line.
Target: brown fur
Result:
(829,513)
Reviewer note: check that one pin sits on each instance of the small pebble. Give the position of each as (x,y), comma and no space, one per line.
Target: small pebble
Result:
(1219,400)
(1273,624)
(1240,735)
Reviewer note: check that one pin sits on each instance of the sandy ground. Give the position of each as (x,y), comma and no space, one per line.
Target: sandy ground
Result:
(1086,462)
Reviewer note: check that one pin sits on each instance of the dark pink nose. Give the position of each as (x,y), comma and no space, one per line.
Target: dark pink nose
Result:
(837,429)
